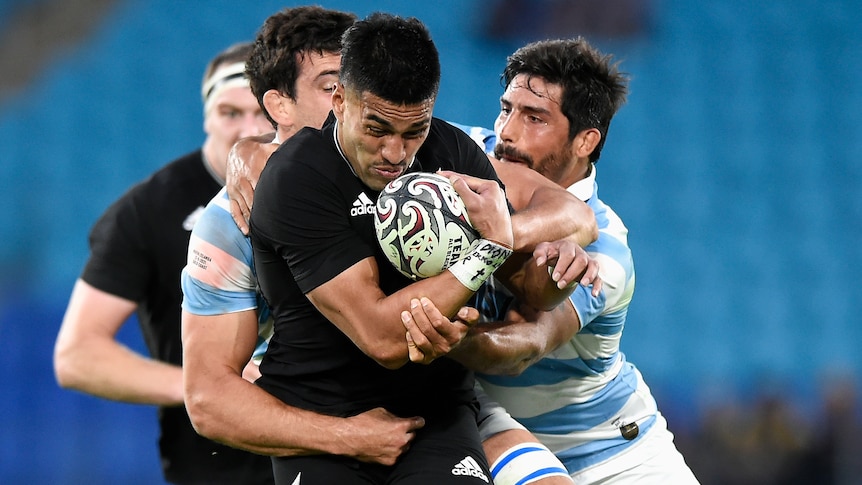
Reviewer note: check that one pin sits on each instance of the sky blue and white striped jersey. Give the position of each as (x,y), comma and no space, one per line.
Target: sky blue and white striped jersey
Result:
(219,275)
(579,398)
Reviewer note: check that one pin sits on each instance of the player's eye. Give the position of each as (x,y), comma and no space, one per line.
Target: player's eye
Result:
(232,113)
(414,134)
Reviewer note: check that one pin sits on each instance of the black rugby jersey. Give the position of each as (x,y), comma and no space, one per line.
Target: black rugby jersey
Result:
(311,220)
(137,251)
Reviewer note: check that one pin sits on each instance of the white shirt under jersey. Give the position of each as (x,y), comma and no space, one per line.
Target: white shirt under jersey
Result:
(219,275)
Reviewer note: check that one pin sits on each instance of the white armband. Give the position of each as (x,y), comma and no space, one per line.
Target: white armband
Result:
(484,257)
(527,463)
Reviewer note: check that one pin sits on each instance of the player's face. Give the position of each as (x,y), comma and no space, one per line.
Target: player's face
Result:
(379,138)
(235,114)
(532,130)
(318,76)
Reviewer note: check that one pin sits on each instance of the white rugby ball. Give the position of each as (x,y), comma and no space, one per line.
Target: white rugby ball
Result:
(422,225)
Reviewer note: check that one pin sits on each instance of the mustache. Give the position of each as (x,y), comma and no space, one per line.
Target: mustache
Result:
(505,151)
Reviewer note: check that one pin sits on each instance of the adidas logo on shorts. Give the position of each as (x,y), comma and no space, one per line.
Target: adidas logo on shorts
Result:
(362,205)
(469,467)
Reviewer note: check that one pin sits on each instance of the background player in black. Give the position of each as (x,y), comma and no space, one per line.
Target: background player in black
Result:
(339,344)
(138,249)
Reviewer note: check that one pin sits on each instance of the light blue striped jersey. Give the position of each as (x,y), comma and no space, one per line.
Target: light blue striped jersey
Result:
(219,275)
(577,398)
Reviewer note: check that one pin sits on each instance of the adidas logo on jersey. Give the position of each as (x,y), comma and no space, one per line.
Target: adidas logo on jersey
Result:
(469,467)
(362,205)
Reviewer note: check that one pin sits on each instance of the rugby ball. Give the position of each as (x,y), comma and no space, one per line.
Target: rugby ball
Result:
(422,225)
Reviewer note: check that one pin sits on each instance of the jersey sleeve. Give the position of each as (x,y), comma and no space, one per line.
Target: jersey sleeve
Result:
(119,262)
(305,226)
(324,242)
(219,274)
(616,268)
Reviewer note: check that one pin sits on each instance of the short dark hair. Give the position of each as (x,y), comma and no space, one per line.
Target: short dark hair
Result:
(391,57)
(283,40)
(593,87)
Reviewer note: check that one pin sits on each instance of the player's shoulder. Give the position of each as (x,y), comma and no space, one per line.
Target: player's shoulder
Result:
(192,162)
(252,146)
(308,146)
(446,132)
(183,173)
(446,144)
(164,180)
(215,227)
(217,211)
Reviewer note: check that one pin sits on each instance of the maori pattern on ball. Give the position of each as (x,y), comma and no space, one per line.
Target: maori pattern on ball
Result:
(422,224)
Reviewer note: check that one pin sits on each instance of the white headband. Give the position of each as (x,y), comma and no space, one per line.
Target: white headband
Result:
(231,76)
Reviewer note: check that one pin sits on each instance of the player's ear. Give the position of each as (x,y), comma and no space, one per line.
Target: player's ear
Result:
(338,100)
(277,106)
(585,142)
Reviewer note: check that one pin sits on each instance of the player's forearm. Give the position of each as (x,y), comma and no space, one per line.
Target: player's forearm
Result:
(499,348)
(240,414)
(447,293)
(371,319)
(524,338)
(112,371)
(550,216)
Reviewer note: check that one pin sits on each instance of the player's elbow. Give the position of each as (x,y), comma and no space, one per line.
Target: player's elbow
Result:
(391,362)
(517,368)
(63,372)
(389,356)
(587,225)
(509,361)
(508,368)
(68,369)
(592,231)
(203,419)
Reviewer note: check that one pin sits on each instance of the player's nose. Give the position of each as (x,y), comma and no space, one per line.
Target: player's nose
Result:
(394,149)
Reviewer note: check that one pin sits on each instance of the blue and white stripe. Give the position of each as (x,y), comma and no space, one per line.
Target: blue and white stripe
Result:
(219,276)
(576,398)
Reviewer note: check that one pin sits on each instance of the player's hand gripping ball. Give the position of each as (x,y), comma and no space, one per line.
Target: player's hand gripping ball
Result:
(422,225)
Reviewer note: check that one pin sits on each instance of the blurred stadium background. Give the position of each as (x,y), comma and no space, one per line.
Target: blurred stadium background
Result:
(732,165)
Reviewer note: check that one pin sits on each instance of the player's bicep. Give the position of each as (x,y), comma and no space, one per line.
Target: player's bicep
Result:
(521,182)
(213,344)
(92,311)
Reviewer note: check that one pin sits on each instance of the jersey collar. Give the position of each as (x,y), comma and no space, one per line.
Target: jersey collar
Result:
(338,147)
(583,189)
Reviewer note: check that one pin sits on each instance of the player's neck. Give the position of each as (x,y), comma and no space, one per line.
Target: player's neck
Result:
(284,132)
(217,170)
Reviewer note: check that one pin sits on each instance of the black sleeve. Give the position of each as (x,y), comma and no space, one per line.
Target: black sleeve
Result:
(119,263)
(299,217)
